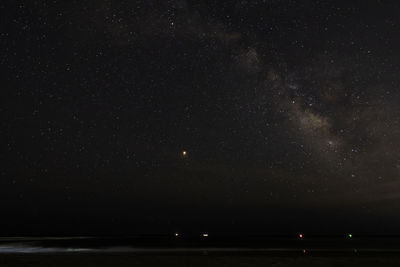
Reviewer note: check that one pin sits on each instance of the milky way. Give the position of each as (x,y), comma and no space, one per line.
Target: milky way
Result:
(171,115)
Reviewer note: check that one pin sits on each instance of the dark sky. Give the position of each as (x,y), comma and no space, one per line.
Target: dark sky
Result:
(288,110)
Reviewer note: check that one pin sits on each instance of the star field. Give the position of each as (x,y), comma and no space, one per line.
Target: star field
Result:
(157,116)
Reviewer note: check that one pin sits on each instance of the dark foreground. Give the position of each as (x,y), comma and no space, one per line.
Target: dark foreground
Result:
(116,260)
(210,251)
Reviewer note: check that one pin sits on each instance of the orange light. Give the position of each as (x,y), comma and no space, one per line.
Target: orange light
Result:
(304,251)
(301,235)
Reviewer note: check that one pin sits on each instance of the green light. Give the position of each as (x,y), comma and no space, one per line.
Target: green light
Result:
(350,235)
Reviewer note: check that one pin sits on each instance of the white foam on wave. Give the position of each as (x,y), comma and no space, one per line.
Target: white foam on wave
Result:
(36,249)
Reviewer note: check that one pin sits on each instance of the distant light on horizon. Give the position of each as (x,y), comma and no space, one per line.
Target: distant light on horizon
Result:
(176,234)
(301,235)
(205,235)
(184,153)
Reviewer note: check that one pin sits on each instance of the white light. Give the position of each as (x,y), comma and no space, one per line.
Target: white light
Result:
(205,235)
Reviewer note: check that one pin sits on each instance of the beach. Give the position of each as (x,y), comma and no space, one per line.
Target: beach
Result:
(117,260)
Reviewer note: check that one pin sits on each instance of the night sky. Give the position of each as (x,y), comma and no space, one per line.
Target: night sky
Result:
(288,113)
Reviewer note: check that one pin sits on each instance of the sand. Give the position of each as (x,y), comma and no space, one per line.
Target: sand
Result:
(78,260)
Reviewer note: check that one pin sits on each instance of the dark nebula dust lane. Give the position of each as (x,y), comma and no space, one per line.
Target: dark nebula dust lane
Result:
(157,116)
